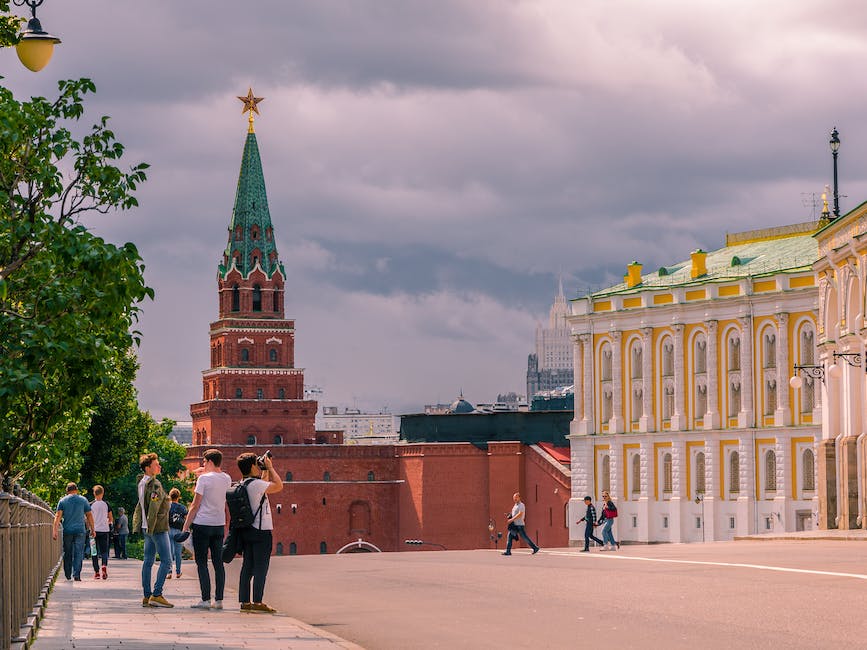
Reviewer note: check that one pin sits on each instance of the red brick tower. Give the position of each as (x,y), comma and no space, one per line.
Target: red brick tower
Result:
(252,394)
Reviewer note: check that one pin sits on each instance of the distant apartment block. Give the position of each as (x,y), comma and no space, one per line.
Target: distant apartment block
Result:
(361,428)
(551,366)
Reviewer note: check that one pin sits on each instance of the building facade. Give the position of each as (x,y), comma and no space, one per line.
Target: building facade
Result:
(550,366)
(683,407)
(841,363)
(361,428)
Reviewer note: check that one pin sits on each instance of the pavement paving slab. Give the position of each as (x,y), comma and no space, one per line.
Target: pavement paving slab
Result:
(108,615)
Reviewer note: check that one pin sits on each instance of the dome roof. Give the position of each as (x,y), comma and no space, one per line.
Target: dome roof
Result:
(460,405)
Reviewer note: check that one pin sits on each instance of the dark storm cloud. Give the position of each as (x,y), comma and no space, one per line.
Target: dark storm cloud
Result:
(432,167)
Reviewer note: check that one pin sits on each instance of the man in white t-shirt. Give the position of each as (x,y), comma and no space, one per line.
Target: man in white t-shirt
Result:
(102,523)
(207,519)
(258,538)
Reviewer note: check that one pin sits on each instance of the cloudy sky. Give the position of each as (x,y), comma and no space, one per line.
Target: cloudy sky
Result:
(432,167)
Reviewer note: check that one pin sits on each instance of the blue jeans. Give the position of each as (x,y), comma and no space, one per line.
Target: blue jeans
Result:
(607,535)
(153,544)
(520,530)
(73,554)
(177,549)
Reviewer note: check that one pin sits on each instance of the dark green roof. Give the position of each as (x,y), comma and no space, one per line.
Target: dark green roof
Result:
(251,215)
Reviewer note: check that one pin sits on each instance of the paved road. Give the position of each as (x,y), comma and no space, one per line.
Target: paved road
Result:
(768,594)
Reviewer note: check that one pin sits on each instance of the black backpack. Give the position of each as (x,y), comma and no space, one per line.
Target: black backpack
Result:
(241,513)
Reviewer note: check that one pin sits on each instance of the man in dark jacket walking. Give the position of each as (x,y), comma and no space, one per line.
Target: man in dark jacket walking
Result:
(589,520)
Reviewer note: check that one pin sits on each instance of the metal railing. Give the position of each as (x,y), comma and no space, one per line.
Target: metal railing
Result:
(29,559)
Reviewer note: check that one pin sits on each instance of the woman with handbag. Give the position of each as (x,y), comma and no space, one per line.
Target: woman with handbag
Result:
(609,512)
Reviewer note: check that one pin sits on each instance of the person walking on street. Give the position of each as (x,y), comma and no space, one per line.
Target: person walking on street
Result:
(103,520)
(121,532)
(606,520)
(257,539)
(515,522)
(74,511)
(151,518)
(207,519)
(177,517)
(589,520)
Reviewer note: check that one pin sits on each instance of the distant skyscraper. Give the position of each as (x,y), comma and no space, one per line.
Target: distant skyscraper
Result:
(551,365)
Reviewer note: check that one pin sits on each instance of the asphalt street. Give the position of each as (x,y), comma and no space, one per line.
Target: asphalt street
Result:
(767,594)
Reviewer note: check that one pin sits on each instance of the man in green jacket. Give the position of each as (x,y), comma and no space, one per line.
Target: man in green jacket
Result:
(151,518)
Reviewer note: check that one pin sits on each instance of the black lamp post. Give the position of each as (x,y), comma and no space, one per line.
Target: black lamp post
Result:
(835,147)
(35,46)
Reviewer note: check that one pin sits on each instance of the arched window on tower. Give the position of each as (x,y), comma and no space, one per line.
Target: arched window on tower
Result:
(236,298)
(281,393)
(257,297)
(251,440)
(272,354)
(278,439)
(245,355)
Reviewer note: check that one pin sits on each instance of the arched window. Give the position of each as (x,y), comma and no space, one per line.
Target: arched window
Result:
(666,473)
(668,402)
(323,548)
(808,471)
(278,439)
(370,476)
(257,297)
(807,354)
(668,358)
(251,440)
(260,393)
(770,350)
(735,398)
(606,473)
(770,470)
(239,393)
(699,473)
(607,405)
(637,363)
(293,548)
(281,393)
(700,355)
(636,474)
(272,354)
(288,477)
(734,352)
(326,476)
(606,362)
(734,472)
(279,549)
(245,355)
(770,396)
(236,298)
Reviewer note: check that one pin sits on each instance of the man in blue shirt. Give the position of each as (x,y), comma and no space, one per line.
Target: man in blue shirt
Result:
(74,510)
(589,520)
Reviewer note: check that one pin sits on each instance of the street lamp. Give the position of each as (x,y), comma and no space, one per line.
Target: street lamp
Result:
(35,46)
(835,147)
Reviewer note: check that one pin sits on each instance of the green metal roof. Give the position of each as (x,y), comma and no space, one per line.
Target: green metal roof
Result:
(749,259)
(251,214)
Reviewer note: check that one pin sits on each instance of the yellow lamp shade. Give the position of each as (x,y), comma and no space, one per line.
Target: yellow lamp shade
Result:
(35,46)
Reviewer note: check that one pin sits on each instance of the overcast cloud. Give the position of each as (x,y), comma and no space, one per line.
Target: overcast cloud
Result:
(433,166)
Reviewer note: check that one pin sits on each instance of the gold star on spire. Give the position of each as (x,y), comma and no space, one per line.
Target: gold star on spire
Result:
(250,103)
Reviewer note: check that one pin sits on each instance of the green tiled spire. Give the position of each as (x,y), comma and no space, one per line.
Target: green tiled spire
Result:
(250,229)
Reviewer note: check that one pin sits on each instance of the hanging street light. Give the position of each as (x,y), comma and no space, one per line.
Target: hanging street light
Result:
(35,45)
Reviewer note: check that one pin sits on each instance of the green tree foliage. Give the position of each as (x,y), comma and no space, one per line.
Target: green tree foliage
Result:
(68,299)
(118,429)
(123,491)
(9,26)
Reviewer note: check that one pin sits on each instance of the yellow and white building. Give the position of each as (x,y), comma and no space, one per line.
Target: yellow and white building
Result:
(841,271)
(683,407)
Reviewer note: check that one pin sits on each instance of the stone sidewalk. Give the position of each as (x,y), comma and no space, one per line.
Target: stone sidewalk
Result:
(94,614)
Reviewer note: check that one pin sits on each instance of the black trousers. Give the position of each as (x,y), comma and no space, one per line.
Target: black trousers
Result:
(257,559)
(588,535)
(209,538)
(101,550)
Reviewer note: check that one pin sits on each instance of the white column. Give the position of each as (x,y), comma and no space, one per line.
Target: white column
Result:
(678,487)
(746,523)
(678,418)
(578,377)
(646,509)
(588,418)
(581,456)
(712,472)
(746,418)
(615,424)
(645,422)
(783,415)
(711,418)
(784,486)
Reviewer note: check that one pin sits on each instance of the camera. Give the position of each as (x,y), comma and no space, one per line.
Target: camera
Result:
(260,460)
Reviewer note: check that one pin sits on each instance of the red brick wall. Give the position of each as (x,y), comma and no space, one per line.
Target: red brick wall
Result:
(442,493)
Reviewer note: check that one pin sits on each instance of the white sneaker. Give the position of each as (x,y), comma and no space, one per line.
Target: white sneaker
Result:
(218,604)
(205,604)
